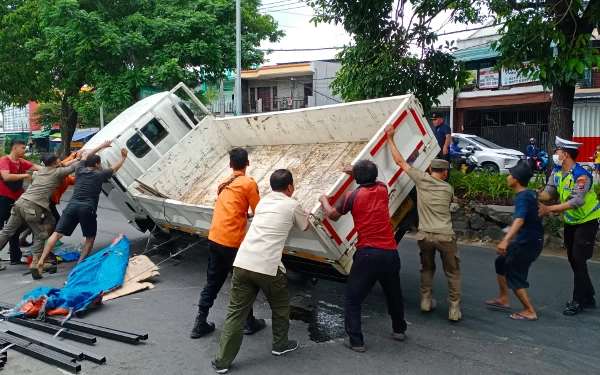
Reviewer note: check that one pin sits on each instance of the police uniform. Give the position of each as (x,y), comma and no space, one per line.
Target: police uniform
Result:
(581,221)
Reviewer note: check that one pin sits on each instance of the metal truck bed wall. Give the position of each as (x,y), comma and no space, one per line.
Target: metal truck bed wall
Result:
(314,144)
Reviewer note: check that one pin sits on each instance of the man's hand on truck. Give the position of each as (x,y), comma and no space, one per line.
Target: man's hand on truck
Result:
(347,169)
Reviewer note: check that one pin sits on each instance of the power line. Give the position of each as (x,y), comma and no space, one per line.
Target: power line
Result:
(296,14)
(299,49)
(287,3)
(275,2)
(280,10)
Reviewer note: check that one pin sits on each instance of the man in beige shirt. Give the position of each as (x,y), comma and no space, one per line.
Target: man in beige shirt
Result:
(434,197)
(258,266)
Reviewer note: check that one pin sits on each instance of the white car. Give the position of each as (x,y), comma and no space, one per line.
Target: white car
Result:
(490,156)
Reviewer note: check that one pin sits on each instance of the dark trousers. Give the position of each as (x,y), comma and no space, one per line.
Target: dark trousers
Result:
(517,262)
(579,240)
(372,265)
(55,213)
(220,264)
(6,204)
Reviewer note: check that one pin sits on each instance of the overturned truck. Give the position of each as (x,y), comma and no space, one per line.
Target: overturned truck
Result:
(179,155)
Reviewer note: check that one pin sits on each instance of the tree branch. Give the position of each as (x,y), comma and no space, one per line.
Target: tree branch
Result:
(584,19)
(525,5)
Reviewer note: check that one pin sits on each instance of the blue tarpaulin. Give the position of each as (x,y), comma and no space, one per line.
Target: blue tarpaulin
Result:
(87,282)
(78,136)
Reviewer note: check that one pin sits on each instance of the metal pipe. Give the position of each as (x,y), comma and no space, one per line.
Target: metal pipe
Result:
(103,332)
(49,328)
(238,57)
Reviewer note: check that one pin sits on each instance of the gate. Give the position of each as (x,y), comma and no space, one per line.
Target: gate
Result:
(510,127)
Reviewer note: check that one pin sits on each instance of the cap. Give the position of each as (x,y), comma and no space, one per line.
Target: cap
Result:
(521,172)
(563,143)
(436,115)
(440,164)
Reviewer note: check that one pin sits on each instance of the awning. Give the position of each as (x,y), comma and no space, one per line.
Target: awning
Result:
(58,140)
(503,100)
(44,134)
(78,136)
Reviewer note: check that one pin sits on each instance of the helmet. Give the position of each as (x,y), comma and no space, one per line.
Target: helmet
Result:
(531,140)
(455,140)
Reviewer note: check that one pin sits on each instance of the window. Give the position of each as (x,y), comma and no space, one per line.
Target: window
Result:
(485,143)
(154,131)
(188,112)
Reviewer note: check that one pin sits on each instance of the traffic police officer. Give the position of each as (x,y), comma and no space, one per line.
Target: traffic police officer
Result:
(573,185)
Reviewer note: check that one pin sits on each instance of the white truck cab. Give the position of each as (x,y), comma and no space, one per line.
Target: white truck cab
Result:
(148,130)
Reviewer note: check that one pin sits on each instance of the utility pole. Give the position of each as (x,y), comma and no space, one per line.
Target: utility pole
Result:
(238,57)
(221,99)
(101,117)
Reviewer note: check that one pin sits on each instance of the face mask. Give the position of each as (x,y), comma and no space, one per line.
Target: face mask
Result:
(557,160)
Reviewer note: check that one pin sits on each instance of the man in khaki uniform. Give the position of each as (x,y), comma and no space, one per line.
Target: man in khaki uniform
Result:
(434,197)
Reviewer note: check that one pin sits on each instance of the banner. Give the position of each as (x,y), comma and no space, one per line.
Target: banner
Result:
(488,78)
(512,77)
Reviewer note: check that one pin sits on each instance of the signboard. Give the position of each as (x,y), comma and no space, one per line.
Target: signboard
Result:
(76,144)
(489,78)
(512,77)
(472,80)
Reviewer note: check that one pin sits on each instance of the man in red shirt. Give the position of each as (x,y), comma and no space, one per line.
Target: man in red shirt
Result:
(13,170)
(376,257)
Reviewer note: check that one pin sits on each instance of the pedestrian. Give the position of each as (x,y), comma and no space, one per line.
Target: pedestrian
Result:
(443,135)
(235,196)
(579,203)
(258,266)
(515,259)
(596,159)
(376,257)
(13,174)
(434,197)
(60,190)
(81,209)
(33,208)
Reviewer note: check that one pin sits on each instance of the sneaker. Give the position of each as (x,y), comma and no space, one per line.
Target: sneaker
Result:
(398,336)
(573,308)
(252,328)
(219,370)
(588,303)
(290,347)
(356,348)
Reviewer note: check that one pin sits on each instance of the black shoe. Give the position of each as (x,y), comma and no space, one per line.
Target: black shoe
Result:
(573,308)
(252,328)
(201,327)
(35,273)
(588,303)
(219,370)
(290,347)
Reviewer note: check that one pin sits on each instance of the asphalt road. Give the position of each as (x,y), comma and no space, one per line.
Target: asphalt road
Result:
(486,341)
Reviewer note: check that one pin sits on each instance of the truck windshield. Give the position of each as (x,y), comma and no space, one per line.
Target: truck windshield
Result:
(154,131)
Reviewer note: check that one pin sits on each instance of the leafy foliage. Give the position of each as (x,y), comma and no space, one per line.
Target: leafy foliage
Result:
(380,62)
(485,185)
(49,49)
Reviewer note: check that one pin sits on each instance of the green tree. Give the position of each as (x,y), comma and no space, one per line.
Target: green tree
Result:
(382,62)
(554,37)
(49,49)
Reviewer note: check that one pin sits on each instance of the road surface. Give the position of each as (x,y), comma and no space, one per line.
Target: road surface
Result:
(486,341)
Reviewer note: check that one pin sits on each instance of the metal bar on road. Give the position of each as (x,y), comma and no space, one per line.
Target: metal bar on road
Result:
(142,336)
(49,328)
(99,331)
(41,353)
(47,342)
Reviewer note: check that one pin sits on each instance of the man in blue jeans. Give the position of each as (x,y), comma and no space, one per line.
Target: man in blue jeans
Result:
(376,257)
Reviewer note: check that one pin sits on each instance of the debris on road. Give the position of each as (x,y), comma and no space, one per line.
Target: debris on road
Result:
(139,269)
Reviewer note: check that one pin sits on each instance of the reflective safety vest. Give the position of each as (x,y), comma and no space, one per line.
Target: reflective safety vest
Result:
(565,185)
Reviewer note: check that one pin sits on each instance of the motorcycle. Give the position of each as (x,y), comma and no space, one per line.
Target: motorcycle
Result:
(540,163)
(467,161)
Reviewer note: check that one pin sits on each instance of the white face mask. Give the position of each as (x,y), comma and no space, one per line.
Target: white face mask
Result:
(557,160)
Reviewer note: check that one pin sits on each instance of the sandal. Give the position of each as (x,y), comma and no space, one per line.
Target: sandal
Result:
(519,316)
(496,303)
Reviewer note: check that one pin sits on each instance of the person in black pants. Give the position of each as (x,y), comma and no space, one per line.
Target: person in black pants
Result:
(376,257)
(13,174)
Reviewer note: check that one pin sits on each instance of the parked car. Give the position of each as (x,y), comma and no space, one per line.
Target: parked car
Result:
(490,156)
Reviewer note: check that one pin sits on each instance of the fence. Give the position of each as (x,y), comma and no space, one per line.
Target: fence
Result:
(216,107)
(510,128)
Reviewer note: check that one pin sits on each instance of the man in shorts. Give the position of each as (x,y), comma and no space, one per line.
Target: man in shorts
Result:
(81,209)
(512,266)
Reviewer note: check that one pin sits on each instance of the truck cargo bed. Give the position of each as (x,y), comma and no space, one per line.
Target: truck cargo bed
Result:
(315,168)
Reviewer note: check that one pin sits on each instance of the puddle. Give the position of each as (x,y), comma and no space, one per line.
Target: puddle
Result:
(324,324)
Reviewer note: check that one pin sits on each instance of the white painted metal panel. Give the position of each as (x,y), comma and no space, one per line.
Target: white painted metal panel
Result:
(586,120)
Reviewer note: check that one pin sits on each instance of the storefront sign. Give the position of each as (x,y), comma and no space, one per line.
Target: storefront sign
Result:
(512,77)
(472,80)
(488,78)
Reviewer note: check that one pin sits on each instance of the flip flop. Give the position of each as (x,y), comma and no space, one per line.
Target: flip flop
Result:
(519,316)
(496,303)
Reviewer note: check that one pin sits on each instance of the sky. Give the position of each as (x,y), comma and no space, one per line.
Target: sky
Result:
(294,17)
